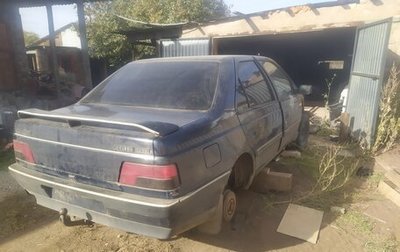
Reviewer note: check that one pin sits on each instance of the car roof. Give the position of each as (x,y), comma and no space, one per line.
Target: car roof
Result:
(218,58)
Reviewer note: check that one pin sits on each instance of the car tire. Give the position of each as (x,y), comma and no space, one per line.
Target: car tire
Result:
(302,138)
(229,205)
(224,212)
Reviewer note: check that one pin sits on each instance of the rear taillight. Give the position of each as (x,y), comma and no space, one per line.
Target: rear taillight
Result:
(158,177)
(23,151)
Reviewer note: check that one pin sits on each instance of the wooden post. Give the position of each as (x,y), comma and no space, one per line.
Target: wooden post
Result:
(84,44)
(53,58)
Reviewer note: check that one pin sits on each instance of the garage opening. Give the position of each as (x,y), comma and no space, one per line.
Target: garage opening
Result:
(318,58)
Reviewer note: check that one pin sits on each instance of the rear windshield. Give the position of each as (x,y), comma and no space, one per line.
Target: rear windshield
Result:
(173,85)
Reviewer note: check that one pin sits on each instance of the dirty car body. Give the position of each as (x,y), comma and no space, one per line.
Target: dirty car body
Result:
(151,149)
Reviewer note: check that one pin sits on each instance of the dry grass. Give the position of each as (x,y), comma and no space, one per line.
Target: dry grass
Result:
(334,172)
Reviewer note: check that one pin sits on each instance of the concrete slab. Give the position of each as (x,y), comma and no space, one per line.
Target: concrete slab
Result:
(301,222)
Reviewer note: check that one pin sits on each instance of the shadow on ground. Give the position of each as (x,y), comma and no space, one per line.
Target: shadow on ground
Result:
(19,214)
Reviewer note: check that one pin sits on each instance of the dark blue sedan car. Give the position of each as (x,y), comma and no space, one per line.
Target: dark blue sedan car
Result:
(160,146)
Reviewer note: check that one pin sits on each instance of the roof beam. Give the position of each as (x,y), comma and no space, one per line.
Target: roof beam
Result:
(165,33)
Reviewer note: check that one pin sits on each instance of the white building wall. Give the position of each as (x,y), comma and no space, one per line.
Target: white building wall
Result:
(70,38)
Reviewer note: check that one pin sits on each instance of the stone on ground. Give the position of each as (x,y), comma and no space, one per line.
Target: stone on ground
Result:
(291,153)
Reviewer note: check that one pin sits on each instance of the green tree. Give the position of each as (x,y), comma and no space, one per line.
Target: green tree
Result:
(30,37)
(102,23)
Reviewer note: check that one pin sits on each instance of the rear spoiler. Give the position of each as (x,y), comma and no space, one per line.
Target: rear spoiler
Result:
(32,113)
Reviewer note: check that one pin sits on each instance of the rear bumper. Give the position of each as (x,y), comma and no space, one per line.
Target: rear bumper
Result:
(159,218)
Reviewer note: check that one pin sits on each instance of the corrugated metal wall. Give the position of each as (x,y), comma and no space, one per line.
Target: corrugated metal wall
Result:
(184,47)
(366,79)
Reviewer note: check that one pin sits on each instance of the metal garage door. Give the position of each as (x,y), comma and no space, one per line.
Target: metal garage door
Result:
(184,47)
(366,78)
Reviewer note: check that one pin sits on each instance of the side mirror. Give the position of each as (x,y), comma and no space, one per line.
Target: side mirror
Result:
(305,89)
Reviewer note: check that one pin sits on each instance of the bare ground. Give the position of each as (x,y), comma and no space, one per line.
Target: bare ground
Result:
(371,223)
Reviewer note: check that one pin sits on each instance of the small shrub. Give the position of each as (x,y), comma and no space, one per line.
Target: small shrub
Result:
(334,171)
(330,172)
(388,130)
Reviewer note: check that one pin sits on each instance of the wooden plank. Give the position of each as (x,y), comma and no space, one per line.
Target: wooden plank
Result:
(344,132)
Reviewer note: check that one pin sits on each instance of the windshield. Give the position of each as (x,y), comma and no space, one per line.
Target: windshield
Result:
(174,85)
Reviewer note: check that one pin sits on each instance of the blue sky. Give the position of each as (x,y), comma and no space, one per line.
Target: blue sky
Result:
(35,19)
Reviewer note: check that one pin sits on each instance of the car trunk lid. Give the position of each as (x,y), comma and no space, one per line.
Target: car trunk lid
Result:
(91,142)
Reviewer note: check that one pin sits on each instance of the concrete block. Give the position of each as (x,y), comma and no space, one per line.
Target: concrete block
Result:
(292,154)
(272,181)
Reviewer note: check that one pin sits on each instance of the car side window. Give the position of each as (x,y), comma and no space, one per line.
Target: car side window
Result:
(279,79)
(253,89)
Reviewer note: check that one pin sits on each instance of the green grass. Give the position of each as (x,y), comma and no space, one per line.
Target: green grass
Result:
(6,158)
(363,226)
(374,180)
(326,130)
(388,244)
(358,222)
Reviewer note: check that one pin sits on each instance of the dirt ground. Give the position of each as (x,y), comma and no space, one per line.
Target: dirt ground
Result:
(371,223)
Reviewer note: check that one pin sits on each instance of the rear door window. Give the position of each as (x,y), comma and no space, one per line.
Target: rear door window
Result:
(280,80)
(253,89)
(188,85)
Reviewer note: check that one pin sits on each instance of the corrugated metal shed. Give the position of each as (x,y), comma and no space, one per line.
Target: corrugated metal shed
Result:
(185,47)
